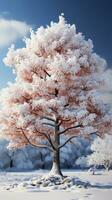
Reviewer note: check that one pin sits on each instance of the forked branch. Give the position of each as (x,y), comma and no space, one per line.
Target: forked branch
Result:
(48,138)
(35,145)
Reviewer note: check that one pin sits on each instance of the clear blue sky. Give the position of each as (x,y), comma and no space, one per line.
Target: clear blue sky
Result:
(92,17)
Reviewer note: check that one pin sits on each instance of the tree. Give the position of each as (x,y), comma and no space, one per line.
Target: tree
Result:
(102,152)
(55,92)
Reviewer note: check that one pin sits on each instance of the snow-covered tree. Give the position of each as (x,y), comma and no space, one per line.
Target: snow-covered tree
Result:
(102,152)
(55,92)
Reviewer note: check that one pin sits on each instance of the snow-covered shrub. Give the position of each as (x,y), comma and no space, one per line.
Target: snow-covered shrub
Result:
(102,152)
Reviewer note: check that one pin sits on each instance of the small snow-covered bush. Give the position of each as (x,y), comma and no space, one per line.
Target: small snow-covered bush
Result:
(102,152)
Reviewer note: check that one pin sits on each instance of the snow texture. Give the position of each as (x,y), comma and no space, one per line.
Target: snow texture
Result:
(16,186)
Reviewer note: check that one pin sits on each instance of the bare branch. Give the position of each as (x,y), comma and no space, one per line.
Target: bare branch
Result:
(59,124)
(35,145)
(34,112)
(95,133)
(47,73)
(53,110)
(27,99)
(67,129)
(48,138)
(48,118)
(48,124)
(63,120)
(56,92)
(98,124)
(42,133)
(66,105)
(50,141)
(34,71)
(43,146)
(67,141)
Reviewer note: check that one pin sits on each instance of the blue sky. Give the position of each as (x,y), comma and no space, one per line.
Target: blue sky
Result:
(92,17)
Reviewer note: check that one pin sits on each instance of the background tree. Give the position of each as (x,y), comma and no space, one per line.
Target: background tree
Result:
(55,92)
(102,152)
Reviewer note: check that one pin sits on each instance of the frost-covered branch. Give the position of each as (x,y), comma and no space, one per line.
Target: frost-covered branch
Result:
(67,129)
(48,124)
(48,118)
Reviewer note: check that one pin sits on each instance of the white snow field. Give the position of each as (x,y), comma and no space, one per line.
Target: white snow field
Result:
(101,187)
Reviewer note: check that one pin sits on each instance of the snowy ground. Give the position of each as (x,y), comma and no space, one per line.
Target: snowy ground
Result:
(102,189)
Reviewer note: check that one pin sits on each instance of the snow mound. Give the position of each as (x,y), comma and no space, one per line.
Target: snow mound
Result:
(48,183)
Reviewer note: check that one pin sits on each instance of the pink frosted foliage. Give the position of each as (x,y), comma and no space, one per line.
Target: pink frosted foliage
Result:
(58,76)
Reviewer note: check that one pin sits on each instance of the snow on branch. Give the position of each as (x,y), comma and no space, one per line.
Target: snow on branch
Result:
(67,129)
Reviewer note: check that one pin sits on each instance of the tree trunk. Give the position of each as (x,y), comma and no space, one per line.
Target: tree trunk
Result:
(56,170)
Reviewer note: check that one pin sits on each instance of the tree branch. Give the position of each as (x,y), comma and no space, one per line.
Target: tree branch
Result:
(67,129)
(34,112)
(48,138)
(48,118)
(47,73)
(66,105)
(48,124)
(59,124)
(63,120)
(67,141)
(35,145)
(95,133)
(53,110)
(27,99)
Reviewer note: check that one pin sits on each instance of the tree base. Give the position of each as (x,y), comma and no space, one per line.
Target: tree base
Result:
(49,183)
(55,170)
(58,182)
